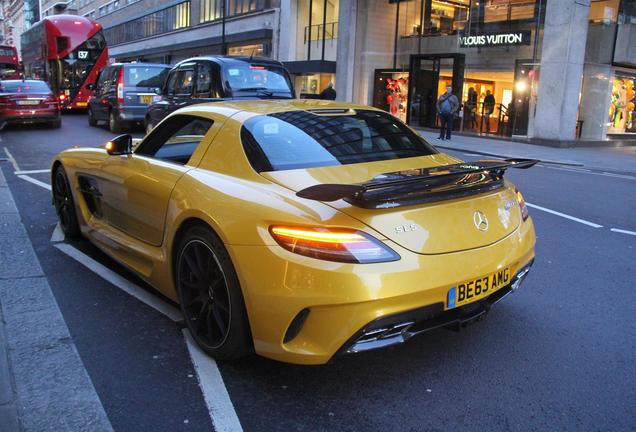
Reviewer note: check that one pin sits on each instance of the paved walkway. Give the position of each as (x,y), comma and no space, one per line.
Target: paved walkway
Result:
(614,159)
(44,386)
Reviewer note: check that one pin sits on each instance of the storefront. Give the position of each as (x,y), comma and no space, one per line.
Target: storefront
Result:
(487,51)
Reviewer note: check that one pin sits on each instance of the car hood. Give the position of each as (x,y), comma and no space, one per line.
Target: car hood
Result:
(431,228)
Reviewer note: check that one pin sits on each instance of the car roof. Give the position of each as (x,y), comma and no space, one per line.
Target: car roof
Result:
(264,107)
(141,64)
(229,60)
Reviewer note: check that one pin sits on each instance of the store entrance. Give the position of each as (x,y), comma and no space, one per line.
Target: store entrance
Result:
(429,75)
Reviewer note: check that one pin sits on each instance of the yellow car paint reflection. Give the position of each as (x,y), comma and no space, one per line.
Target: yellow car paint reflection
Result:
(145,203)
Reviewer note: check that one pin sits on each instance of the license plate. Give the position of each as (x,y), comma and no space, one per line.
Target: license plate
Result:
(145,99)
(82,104)
(28,102)
(476,289)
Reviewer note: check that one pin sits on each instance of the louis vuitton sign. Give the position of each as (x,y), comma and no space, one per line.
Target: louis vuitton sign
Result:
(521,37)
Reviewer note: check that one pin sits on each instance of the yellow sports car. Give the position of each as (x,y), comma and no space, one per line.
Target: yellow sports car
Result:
(300,230)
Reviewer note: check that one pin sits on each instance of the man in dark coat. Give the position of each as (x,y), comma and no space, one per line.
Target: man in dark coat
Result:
(329,93)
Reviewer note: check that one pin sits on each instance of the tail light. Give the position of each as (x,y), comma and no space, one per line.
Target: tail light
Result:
(120,86)
(522,205)
(4,101)
(52,101)
(62,97)
(341,245)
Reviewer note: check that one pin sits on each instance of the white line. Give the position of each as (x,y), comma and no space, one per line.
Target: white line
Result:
(216,397)
(40,171)
(619,176)
(563,215)
(58,234)
(122,283)
(12,160)
(35,182)
(623,231)
(471,154)
(581,170)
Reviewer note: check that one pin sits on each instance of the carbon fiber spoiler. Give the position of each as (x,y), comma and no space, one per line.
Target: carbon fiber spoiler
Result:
(420,185)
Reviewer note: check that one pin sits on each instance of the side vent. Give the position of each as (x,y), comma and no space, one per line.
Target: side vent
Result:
(296,325)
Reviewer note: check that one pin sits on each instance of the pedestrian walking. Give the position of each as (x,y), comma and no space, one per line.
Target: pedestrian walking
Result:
(328,93)
(489,108)
(447,105)
(471,108)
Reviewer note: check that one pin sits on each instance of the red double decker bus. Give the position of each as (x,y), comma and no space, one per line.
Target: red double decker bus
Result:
(9,63)
(67,52)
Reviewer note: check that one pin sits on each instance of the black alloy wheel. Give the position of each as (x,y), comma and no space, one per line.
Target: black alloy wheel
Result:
(64,204)
(114,124)
(210,296)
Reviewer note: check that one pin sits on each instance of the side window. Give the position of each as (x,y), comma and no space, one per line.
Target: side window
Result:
(176,139)
(184,84)
(171,82)
(204,80)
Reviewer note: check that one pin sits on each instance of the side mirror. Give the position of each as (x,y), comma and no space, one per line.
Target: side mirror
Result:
(158,91)
(91,87)
(120,145)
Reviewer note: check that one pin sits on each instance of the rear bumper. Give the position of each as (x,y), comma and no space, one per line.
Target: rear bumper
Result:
(399,328)
(30,116)
(132,113)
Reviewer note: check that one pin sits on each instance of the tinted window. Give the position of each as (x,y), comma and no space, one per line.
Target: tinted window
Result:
(7,70)
(6,52)
(245,78)
(184,84)
(145,76)
(175,139)
(24,87)
(302,139)
(204,80)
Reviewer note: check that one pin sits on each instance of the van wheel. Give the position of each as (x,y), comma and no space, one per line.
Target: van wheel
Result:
(114,125)
(91,118)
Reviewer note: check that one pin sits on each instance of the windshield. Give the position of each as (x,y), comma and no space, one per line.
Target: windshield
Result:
(7,70)
(302,139)
(24,87)
(6,52)
(145,76)
(250,78)
(70,72)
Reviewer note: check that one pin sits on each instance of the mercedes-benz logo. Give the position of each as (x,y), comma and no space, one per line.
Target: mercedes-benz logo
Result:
(480,221)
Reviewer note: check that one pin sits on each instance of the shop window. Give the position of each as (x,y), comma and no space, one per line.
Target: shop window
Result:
(604,11)
(310,86)
(622,112)
(448,17)
(508,10)
(256,50)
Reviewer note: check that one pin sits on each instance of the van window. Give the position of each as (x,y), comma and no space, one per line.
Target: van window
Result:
(145,76)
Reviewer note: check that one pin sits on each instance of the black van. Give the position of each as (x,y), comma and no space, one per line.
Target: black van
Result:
(205,79)
(123,92)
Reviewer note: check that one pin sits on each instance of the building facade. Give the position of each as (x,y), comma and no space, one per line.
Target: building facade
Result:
(12,22)
(558,70)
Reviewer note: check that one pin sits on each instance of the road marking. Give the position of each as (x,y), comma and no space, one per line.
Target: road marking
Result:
(616,230)
(35,182)
(12,160)
(40,171)
(122,283)
(216,397)
(563,215)
(587,171)
(58,234)
(623,176)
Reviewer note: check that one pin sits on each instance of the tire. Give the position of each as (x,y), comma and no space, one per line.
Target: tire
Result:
(64,203)
(91,118)
(210,295)
(114,124)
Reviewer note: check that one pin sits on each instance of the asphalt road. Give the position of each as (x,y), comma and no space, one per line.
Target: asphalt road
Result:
(560,354)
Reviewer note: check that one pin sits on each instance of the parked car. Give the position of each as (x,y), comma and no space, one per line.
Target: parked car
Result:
(28,101)
(206,79)
(303,229)
(123,92)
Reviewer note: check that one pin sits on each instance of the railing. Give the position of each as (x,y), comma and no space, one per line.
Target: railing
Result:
(315,32)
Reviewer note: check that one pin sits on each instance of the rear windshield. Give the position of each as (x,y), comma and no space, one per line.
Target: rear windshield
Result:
(253,78)
(145,76)
(302,139)
(24,87)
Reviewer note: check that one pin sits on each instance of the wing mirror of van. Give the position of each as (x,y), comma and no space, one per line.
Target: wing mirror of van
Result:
(120,145)
(158,91)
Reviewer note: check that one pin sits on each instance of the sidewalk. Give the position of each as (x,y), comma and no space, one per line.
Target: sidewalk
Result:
(44,386)
(613,159)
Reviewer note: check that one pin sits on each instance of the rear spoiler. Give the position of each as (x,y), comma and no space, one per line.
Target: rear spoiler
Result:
(420,185)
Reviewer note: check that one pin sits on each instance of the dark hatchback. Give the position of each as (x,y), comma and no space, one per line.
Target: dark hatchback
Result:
(123,92)
(214,78)
(28,101)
